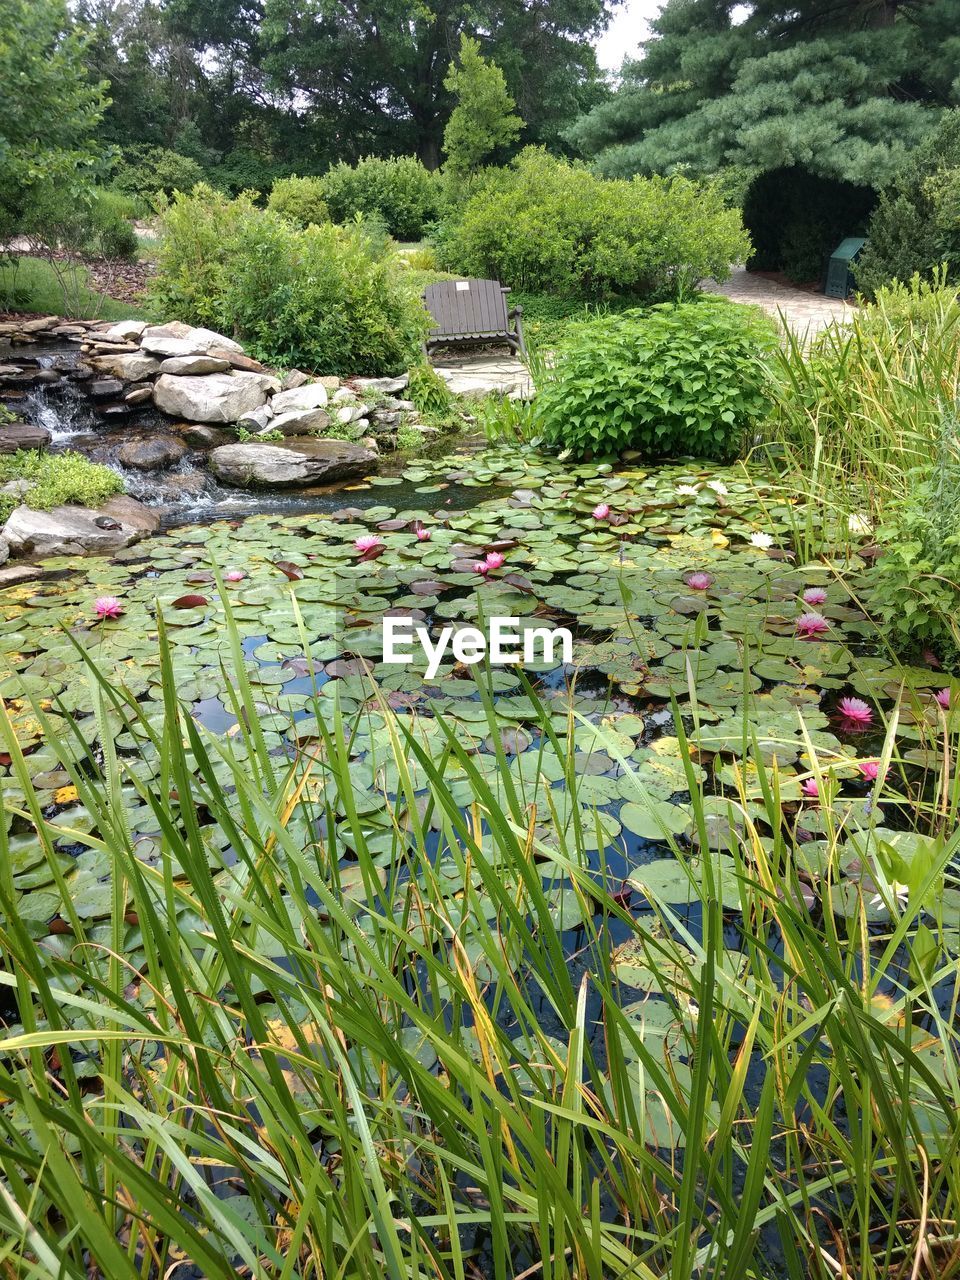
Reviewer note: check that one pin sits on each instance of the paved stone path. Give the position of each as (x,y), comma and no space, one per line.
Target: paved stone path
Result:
(806,313)
(486,373)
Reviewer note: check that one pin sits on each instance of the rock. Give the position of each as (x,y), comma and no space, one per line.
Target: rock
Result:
(368,442)
(386,418)
(257,419)
(152,453)
(200,436)
(238,360)
(311,396)
(4,551)
(344,396)
(302,422)
(330,382)
(67,531)
(347,412)
(18,488)
(126,331)
(275,466)
(6,369)
(12,575)
(292,379)
(133,367)
(498,378)
(194,365)
(29,377)
(389,386)
(114,411)
(39,324)
(105,388)
(139,395)
(212,397)
(177,339)
(18,435)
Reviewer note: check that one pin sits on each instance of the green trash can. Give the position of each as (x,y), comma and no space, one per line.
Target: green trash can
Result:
(840,282)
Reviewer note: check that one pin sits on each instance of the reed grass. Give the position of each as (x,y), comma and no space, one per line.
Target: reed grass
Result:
(334,1053)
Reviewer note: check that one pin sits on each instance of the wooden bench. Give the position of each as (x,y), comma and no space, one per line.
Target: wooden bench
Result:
(471,313)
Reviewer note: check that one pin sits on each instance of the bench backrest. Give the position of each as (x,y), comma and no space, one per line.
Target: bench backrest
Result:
(467,308)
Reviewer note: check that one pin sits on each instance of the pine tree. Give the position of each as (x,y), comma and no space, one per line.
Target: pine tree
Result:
(484,118)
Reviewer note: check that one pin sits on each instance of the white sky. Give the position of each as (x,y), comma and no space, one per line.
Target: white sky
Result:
(629,25)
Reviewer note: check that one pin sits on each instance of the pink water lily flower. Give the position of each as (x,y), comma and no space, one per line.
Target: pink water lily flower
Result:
(699,581)
(856,711)
(234,575)
(601,511)
(107,607)
(811,625)
(815,595)
(494,559)
(481,567)
(810,789)
(367,541)
(870,770)
(943,697)
(423,535)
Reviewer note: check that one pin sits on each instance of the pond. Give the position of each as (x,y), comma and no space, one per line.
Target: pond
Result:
(698,646)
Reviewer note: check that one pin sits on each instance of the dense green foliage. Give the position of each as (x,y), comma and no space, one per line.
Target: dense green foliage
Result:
(545,224)
(55,479)
(915,591)
(916,226)
(483,120)
(145,172)
(399,190)
(299,200)
(48,146)
(687,380)
(843,92)
(314,297)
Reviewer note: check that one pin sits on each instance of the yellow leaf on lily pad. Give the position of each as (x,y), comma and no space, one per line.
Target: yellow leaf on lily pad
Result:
(65,795)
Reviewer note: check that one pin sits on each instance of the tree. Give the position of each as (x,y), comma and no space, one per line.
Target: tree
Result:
(50,109)
(843,89)
(484,118)
(372,74)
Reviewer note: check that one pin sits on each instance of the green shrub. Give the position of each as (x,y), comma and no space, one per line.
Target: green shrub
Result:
(670,381)
(146,171)
(299,200)
(400,190)
(110,233)
(429,392)
(314,297)
(55,479)
(544,224)
(916,225)
(915,588)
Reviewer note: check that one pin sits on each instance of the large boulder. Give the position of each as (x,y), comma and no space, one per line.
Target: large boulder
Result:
(133,366)
(152,453)
(194,364)
(67,531)
(293,465)
(212,397)
(299,422)
(311,396)
(20,435)
(126,331)
(177,339)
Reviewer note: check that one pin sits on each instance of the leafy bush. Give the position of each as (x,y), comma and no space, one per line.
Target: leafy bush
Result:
(546,224)
(110,232)
(670,381)
(144,172)
(55,479)
(916,225)
(404,193)
(299,200)
(914,590)
(429,392)
(314,297)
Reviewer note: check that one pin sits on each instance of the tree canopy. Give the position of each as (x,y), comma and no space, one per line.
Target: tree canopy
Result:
(51,108)
(484,118)
(844,89)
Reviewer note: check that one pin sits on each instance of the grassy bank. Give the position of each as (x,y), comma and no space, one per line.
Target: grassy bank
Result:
(34,285)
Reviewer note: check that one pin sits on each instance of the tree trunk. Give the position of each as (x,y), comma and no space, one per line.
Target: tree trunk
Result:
(428,148)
